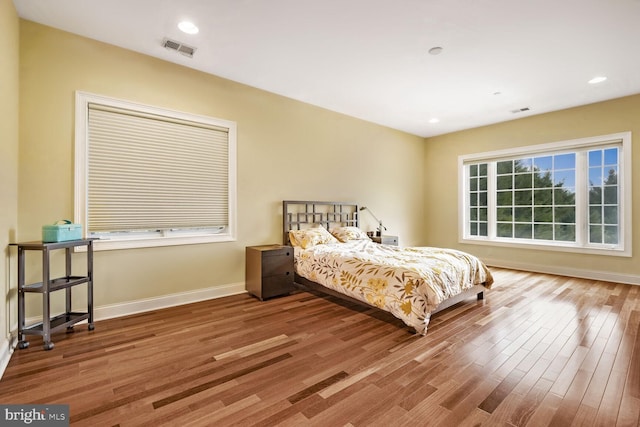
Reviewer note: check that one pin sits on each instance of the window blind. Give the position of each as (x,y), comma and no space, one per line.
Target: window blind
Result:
(149,172)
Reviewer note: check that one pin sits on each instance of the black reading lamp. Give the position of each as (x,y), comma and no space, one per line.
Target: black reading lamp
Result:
(380,226)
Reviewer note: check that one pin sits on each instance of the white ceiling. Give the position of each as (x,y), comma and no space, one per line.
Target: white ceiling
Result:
(369,58)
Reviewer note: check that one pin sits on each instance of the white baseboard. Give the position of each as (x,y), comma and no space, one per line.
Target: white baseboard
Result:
(582,273)
(5,354)
(6,350)
(132,307)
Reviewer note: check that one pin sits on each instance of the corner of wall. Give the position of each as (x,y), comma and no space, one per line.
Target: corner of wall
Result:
(9,142)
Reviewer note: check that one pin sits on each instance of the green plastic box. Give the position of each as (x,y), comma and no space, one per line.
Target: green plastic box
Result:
(61,231)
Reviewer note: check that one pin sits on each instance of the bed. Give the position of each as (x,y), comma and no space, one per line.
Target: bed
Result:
(334,256)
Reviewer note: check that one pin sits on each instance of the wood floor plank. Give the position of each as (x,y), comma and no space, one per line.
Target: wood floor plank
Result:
(539,350)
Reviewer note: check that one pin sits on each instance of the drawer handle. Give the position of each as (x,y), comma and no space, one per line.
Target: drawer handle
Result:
(287,273)
(287,253)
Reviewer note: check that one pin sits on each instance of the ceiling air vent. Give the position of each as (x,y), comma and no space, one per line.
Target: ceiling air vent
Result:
(178,47)
(520,110)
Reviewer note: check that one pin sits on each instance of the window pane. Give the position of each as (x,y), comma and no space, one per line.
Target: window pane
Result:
(595,158)
(482,229)
(473,184)
(523,214)
(473,170)
(473,214)
(543,197)
(564,161)
(565,215)
(542,180)
(543,163)
(565,233)
(504,182)
(505,167)
(522,165)
(473,199)
(612,176)
(595,214)
(483,169)
(611,215)
(505,198)
(505,214)
(610,235)
(564,196)
(523,197)
(524,180)
(595,195)
(504,230)
(544,214)
(611,156)
(564,178)
(483,214)
(482,184)
(523,231)
(595,234)
(611,195)
(543,231)
(595,176)
(473,228)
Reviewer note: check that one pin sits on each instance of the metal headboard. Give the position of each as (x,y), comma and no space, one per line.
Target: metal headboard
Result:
(297,215)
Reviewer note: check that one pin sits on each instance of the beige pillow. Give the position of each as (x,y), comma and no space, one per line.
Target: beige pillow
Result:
(311,237)
(344,234)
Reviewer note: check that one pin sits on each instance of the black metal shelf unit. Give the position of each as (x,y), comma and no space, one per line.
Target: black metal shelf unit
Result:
(51,324)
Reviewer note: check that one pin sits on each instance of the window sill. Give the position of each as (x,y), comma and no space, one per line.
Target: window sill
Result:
(572,248)
(121,243)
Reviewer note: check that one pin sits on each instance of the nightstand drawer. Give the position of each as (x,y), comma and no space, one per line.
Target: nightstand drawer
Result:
(277,285)
(386,240)
(275,264)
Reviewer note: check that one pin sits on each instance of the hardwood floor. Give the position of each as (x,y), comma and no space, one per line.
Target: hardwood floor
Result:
(538,350)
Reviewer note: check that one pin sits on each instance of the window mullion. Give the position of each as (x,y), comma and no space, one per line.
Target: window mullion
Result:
(582,201)
(491,200)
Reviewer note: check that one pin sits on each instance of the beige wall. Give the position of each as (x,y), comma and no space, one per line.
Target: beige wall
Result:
(9,70)
(286,150)
(441,155)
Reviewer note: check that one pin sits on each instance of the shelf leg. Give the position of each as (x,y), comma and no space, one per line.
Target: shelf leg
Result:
(90,284)
(46,307)
(21,304)
(67,302)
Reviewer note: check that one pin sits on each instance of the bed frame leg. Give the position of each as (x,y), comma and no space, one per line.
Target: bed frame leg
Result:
(480,295)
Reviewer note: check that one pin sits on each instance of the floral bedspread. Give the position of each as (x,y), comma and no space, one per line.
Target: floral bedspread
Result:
(407,282)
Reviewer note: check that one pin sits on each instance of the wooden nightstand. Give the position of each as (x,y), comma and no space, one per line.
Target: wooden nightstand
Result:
(269,270)
(386,240)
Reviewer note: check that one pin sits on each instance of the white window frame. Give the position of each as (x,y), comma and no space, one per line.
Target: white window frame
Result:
(623,248)
(167,237)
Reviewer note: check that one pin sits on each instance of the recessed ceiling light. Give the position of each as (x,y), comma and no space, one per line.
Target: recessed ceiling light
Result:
(188,27)
(434,120)
(598,79)
(435,50)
